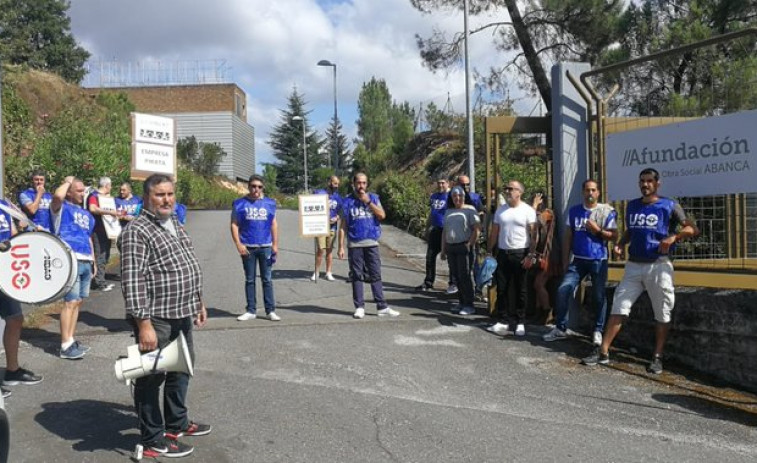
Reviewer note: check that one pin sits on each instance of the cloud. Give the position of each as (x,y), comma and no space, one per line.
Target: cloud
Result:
(271,46)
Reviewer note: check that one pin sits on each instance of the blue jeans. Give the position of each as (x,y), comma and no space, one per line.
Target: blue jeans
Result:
(577,271)
(80,289)
(259,256)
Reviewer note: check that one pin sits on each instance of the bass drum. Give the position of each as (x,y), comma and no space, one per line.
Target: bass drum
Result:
(36,268)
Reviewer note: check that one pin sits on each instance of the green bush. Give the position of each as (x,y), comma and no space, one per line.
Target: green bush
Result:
(198,192)
(405,200)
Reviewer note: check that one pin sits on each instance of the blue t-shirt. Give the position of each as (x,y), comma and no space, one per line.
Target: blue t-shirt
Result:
(74,225)
(255,219)
(5,223)
(335,204)
(359,221)
(477,202)
(587,245)
(41,218)
(648,224)
(130,206)
(181,213)
(438,203)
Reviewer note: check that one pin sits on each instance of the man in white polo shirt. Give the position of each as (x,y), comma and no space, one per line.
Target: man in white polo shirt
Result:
(511,239)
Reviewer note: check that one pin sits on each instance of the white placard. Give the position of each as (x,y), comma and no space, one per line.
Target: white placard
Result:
(154,158)
(711,156)
(111,224)
(314,215)
(153,129)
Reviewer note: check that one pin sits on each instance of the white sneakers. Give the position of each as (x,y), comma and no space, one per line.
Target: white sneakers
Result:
(499,328)
(330,277)
(387,312)
(313,277)
(597,338)
(555,335)
(520,330)
(467,311)
(452,289)
(251,316)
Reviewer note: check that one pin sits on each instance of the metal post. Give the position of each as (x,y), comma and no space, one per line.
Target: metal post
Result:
(468,110)
(336,134)
(2,160)
(305,154)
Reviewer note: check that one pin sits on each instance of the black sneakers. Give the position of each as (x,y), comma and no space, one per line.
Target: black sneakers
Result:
(596,357)
(194,429)
(20,376)
(424,287)
(166,447)
(655,367)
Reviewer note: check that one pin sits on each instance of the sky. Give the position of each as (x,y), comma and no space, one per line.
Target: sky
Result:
(272,46)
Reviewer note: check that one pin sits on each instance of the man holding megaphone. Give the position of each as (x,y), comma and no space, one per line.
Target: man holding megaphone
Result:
(161,282)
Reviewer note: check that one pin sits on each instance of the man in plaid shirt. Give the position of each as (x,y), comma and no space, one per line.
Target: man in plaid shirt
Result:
(161,282)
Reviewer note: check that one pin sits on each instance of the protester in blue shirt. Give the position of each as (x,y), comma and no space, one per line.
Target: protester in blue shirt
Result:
(181,213)
(438,205)
(588,228)
(74,225)
(651,223)
(35,202)
(255,233)
(326,243)
(128,204)
(10,311)
(361,214)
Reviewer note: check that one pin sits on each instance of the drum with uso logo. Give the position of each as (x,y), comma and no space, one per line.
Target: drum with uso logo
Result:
(36,268)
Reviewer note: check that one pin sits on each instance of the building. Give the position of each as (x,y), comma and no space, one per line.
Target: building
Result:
(212,113)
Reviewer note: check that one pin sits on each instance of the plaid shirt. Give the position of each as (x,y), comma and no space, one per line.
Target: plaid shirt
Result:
(160,273)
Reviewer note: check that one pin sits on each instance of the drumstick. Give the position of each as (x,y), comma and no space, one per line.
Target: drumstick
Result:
(15,213)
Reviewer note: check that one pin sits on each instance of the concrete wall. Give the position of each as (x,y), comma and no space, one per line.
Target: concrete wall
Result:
(713,331)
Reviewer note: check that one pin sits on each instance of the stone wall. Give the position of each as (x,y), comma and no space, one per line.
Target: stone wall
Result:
(714,332)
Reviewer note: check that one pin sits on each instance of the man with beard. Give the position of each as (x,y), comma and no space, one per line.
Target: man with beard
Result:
(162,289)
(438,204)
(362,212)
(651,223)
(325,244)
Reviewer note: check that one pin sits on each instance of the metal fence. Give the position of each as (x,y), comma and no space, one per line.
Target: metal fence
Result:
(727,223)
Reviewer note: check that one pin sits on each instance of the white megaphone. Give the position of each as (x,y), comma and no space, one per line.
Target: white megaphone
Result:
(174,357)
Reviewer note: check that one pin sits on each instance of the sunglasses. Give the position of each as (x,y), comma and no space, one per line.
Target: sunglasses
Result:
(256,187)
(509,188)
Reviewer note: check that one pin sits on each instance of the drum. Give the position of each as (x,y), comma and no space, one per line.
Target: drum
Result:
(37,268)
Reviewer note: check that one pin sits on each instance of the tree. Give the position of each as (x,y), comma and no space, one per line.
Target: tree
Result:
(546,31)
(384,128)
(37,33)
(269,177)
(286,141)
(344,157)
(201,157)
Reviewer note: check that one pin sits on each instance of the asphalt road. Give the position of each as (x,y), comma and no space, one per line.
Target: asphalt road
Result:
(320,386)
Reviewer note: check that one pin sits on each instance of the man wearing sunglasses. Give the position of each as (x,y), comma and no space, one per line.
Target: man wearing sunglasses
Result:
(255,233)
(512,238)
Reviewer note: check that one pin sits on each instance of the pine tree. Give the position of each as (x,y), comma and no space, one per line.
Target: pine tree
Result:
(37,33)
(286,141)
(343,154)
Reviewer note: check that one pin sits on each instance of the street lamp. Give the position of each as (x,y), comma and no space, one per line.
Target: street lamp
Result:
(325,62)
(304,149)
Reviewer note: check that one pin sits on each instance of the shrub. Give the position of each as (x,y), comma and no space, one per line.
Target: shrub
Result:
(405,200)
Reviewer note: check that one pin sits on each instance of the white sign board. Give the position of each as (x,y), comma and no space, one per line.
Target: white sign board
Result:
(154,158)
(153,145)
(314,216)
(154,129)
(711,156)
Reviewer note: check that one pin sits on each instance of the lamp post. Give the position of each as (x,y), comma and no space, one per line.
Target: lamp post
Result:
(304,149)
(325,62)
(468,109)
